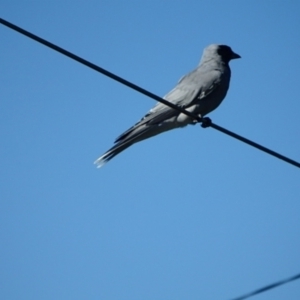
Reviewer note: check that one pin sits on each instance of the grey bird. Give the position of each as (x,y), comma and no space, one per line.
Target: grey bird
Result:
(199,92)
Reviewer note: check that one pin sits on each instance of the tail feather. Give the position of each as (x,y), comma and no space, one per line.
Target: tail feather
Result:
(122,144)
(129,137)
(112,152)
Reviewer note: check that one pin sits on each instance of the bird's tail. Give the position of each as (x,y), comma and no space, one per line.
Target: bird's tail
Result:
(112,152)
(131,136)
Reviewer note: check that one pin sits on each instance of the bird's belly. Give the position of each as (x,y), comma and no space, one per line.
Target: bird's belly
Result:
(212,101)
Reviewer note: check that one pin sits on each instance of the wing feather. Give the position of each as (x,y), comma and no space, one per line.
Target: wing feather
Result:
(191,88)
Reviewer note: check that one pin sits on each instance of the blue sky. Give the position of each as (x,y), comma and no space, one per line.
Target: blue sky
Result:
(189,214)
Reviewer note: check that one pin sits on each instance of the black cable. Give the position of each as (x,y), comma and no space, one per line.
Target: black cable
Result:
(268,287)
(249,142)
(97,68)
(206,122)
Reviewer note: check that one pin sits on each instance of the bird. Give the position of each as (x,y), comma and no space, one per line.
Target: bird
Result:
(199,92)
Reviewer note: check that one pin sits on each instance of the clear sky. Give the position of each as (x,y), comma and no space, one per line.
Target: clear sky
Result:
(190,214)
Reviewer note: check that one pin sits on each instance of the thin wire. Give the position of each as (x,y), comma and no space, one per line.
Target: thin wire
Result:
(97,68)
(268,287)
(253,144)
(206,122)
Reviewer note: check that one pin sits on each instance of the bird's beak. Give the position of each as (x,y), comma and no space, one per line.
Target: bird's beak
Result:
(235,56)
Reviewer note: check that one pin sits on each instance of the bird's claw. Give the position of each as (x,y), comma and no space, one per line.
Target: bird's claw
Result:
(206,122)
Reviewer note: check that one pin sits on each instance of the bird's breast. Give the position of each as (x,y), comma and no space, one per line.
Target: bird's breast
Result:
(213,100)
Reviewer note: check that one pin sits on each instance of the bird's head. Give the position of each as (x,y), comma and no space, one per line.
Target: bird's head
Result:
(219,51)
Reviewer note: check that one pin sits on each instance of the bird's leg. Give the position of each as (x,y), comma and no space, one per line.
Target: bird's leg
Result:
(196,121)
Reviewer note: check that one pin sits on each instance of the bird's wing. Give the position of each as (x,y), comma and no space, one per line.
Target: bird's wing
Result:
(193,87)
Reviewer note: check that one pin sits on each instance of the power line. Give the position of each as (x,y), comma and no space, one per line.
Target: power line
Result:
(206,122)
(268,287)
(249,142)
(97,68)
